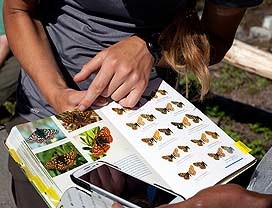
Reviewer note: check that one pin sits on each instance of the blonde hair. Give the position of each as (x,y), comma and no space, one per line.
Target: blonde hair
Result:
(185,47)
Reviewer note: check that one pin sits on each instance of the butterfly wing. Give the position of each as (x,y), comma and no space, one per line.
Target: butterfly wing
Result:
(176,153)
(157,135)
(149,141)
(166,131)
(199,142)
(134,126)
(178,104)
(178,125)
(186,122)
(168,157)
(212,134)
(140,121)
(228,149)
(184,148)
(204,138)
(191,170)
(186,175)
(201,165)
(169,107)
(162,110)
(119,111)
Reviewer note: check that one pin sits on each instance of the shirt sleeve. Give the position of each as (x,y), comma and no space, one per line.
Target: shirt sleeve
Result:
(237,3)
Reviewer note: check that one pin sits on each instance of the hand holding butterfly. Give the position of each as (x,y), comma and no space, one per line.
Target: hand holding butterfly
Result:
(223,196)
(122,73)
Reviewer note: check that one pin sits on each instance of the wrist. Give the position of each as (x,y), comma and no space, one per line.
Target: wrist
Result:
(151,41)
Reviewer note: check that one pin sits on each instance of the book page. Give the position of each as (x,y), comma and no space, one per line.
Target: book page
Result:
(183,145)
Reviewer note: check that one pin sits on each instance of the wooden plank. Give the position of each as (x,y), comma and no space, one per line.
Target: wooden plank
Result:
(250,58)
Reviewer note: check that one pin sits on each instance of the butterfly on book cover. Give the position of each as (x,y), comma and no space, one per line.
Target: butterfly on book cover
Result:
(42,135)
(172,156)
(152,140)
(62,162)
(168,108)
(101,142)
(201,165)
(188,174)
(219,154)
(194,118)
(201,141)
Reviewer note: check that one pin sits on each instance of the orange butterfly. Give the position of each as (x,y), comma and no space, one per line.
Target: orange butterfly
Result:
(186,122)
(213,134)
(101,142)
(61,162)
(188,174)
(219,154)
(165,110)
(172,156)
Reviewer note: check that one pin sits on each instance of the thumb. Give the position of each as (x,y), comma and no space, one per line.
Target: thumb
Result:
(93,65)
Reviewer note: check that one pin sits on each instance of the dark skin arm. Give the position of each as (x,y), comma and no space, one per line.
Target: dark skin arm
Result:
(220,24)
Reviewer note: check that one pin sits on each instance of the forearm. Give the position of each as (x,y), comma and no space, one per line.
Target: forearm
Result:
(220,24)
(30,45)
(4,48)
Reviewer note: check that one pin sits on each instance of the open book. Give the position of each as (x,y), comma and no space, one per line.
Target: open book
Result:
(165,140)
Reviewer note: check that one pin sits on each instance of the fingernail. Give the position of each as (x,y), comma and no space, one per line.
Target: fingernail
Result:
(81,107)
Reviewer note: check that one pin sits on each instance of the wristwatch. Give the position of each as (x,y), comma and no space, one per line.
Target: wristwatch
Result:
(152,45)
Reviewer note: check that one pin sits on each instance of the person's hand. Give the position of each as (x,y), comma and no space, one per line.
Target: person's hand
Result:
(225,196)
(123,73)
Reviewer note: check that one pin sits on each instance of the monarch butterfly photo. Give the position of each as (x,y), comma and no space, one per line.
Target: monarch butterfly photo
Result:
(172,156)
(188,174)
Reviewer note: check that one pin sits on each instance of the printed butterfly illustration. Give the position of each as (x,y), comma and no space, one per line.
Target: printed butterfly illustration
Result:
(62,162)
(184,148)
(119,111)
(167,109)
(140,121)
(202,141)
(195,119)
(219,154)
(201,165)
(186,122)
(188,174)
(156,137)
(134,126)
(228,149)
(101,142)
(76,119)
(149,97)
(178,125)
(42,135)
(162,92)
(172,156)
(213,134)
(178,104)
(166,131)
(149,117)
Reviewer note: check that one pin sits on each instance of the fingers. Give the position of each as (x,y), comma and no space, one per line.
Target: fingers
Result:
(93,65)
(116,205)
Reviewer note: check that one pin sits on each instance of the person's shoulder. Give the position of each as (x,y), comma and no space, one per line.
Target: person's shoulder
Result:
(237,3)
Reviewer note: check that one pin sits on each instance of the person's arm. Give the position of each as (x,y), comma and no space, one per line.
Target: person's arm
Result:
(220,23)
(30,45)
(4,49)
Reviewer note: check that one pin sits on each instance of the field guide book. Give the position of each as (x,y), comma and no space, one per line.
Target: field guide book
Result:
(165,140)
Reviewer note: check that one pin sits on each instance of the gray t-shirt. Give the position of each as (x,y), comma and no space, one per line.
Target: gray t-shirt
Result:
(78,29)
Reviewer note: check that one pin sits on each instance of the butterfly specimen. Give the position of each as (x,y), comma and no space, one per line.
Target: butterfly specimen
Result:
(134,126)
(119,111)
(201,165)
(213,134)
(172,156)
(228,149)
(167,109)
(186,122)
(188,174)
(195,119)
(178,125)
(76,119)
(184,148)
(178,104)
(149,97)
(166,131)
(219,154)
(101,142)
(42,135)
(61,162)
(201,141)
(156,137)
(149,117)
